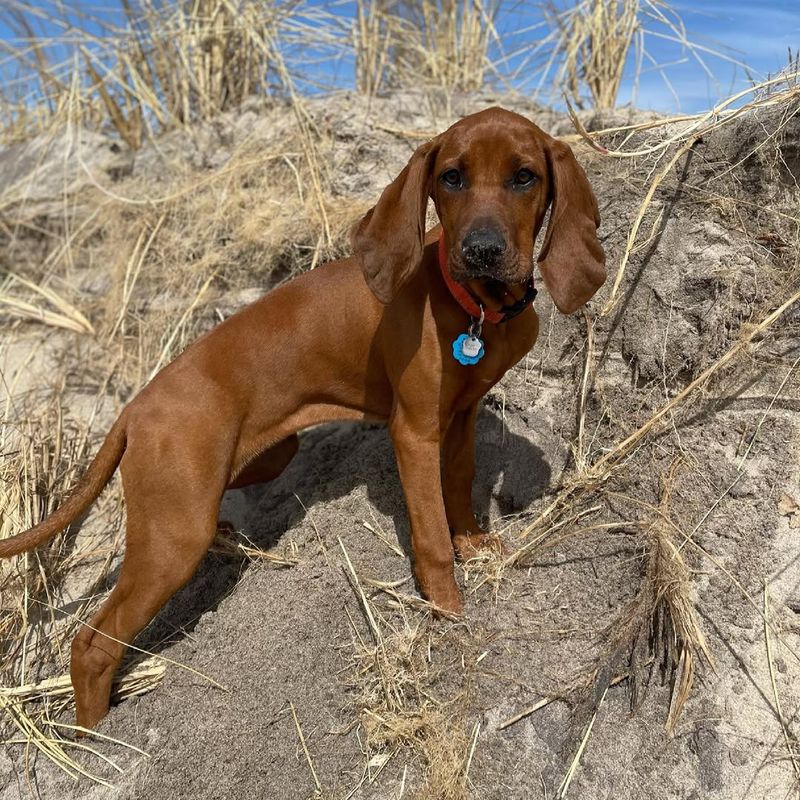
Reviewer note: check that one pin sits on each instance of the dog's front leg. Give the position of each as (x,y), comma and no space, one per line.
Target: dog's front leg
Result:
(458,474)
(417,445)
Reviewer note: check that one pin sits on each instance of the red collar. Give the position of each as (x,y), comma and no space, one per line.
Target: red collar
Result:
(462,296)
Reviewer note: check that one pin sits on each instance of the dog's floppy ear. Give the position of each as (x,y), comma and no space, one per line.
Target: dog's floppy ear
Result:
(571,260)
(389,240)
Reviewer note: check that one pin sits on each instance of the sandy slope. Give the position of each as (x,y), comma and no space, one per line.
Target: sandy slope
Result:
(274,637)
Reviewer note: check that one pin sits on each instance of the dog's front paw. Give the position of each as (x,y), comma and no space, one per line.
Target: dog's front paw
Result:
(474,545)
(447,604)
(444,595)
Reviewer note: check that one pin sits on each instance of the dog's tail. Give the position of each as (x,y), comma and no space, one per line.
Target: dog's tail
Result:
(82,496)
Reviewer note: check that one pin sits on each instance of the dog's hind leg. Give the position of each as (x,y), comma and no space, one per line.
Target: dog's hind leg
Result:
(172,515)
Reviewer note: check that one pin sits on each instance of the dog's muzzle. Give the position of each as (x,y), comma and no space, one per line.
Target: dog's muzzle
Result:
(481,250)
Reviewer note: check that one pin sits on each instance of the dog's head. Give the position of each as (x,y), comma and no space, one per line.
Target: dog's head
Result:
(492,176)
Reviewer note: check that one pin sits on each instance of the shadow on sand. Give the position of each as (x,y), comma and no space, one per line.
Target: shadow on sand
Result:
(333,460)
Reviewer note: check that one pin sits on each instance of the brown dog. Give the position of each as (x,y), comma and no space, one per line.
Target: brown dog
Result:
(331,345)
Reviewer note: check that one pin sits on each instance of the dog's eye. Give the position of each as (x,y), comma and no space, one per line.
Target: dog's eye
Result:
(451,178)
(524,178)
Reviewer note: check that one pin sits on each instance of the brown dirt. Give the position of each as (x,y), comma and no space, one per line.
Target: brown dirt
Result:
(274,637)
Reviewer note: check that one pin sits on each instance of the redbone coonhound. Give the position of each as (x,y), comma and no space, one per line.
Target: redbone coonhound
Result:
(392,333)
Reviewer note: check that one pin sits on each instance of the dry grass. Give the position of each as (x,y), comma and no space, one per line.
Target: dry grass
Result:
(60,313)
(431,44)
(373,35)
(43,455)
(159,66)
(661,623)
(596,37)
(395,703)
(147,67)
(44,452)
(662,620)
(779,92)
(444,43)
(592,44)
(154,66)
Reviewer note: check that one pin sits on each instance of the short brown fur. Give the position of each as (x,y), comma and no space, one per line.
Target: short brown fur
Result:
(331,345)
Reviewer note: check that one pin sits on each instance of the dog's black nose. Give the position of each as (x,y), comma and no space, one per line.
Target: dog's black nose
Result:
(482,247)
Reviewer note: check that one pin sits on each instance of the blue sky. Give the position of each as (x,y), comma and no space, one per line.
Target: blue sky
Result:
(757,32)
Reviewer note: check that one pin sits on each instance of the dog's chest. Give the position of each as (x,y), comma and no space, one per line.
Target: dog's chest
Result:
(505,344)
(501,353)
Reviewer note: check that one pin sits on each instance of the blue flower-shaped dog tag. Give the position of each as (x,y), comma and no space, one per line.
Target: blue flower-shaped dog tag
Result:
(468,349)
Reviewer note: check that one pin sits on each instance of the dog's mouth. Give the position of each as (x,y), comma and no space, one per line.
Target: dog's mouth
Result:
(501,285)
(498,289)
(495,294)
